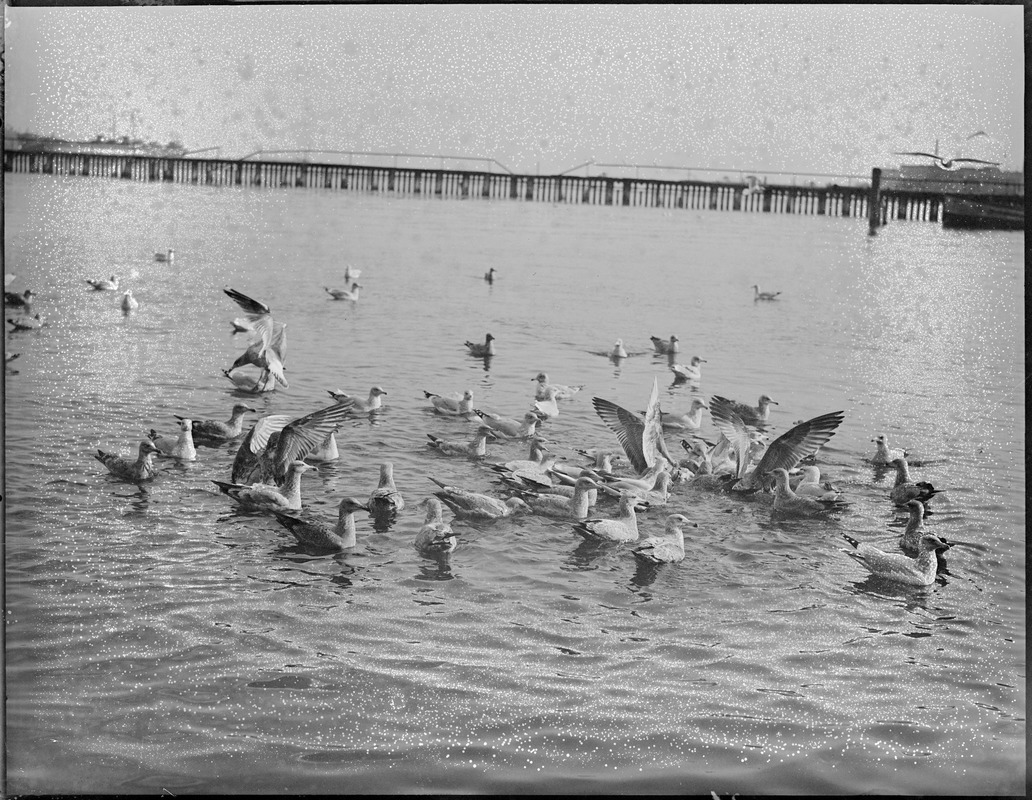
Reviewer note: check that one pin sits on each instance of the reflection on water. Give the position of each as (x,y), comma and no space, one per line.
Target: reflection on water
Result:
(528,651)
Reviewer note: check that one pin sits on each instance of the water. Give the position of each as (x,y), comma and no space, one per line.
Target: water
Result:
(157,641)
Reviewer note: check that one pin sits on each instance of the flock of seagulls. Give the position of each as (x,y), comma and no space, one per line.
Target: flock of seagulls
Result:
(601,505)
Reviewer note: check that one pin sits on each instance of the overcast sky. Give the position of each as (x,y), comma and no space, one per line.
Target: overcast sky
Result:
(799,88)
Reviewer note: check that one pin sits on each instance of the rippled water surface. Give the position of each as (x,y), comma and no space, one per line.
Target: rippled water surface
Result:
(158,641)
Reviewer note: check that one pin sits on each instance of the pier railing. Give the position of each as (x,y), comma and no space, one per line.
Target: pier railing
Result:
(832,200)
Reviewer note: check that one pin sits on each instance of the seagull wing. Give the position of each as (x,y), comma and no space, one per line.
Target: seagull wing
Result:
(306,434)
(652,444)
(628,428)
(795,444)
(253,445)
(975,161)
(248,304)
(729,422)
(927,155)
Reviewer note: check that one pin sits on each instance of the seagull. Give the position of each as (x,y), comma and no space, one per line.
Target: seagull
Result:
(749,415)
(358,405)
(665,549)
(560,506)
(950,163)
(474,449)
(275,441)
(181,447)
(104,285)
(689,421)
(351,275)
(919,571)
(267,497)
(165,257)
(129,303)
(665,348)
(489,275)
(785,452)
(533,469)
(9,278)
(758,295)
(787,502)
(385,496)
(474,505)
(313,533)
(688,372)
(911,538)
(883,454)
(268,349)
(640,437)
(345,294)
(811,485)
(547,406)
(481,350)
(22,300)
(622,528)
(561,392)
(454,405)
(26,322)
(436,537)
(618,350)
(142,469)
(906,490)
(510,428)
(214,430)
(327,451)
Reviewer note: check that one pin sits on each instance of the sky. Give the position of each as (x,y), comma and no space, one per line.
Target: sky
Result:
(808,88)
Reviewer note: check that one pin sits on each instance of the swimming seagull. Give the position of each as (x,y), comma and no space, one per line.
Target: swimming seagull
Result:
(140,469)
(560,506)
(758,295)
(883,454)
(22,300)
(436,536)
(454,405)
(785,452)
(618,350)
(753,416)
(104,285)
(129,303)
(533,469)
(547,406)
(26,322)
(641,437)
(474,505)
(510,428)
(663,347)
(688,372)
(351,275)
(215,430)
(489,275)
(787,502)
(275,441)
(475,449)
(622,528)
(485,349)
(268,349)
(666,549)
(181,446)
(906,490)
(313,533)
(689,421)
(285,495)
(951,163)
(165,257)
(345,294)
(358,405)
(249,383)
(811,485)
(385,496)
(911,538)
(562,392)
(919,571)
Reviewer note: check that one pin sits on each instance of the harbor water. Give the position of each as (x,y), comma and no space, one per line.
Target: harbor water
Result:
(159,641)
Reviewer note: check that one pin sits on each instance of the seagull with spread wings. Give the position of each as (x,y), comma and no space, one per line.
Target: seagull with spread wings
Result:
(269,346)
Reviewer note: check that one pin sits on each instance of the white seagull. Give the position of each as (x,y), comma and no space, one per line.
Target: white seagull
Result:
(102,285)
(181,447)
(919,571)
(665,549)
(688,372)
(454,405)
(267,497)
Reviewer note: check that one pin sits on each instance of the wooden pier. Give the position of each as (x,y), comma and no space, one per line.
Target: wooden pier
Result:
(841,201)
